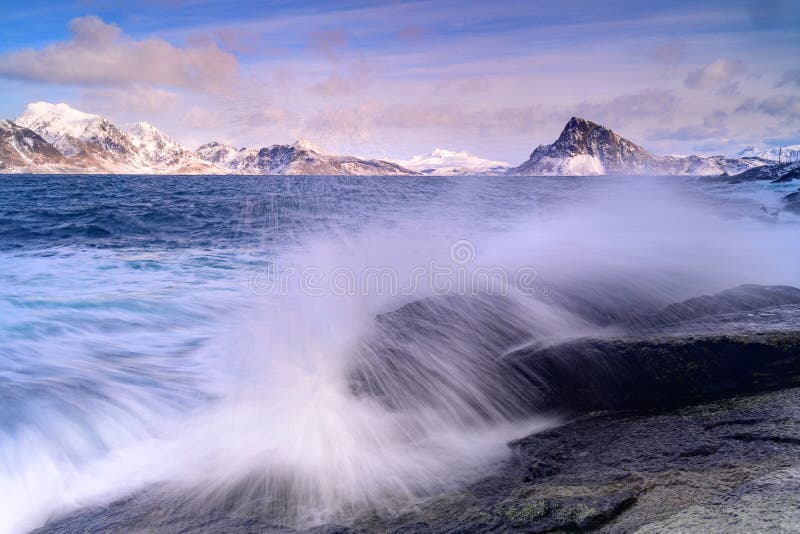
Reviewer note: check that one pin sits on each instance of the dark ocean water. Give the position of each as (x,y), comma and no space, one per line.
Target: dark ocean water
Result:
(127,309)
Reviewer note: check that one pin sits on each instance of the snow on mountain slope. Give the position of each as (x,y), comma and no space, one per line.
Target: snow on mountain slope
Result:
(23,150)
(218,153)
(75,133)
(56,121)
(95,144)
(155,146)
(586,148)
(305,144)
(301,157)
(450,162)
(785,154)
(57,138)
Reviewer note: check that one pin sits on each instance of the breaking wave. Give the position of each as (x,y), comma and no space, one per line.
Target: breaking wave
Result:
(158,369)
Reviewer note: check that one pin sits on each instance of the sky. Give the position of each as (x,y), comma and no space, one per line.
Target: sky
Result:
(398,78)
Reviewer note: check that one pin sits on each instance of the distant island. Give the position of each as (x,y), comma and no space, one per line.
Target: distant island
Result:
(55,138)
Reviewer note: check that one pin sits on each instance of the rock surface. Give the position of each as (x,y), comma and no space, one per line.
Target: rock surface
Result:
(22,148)
(728,466)
(686,421)
(775,172)
(792,202)
(719,467)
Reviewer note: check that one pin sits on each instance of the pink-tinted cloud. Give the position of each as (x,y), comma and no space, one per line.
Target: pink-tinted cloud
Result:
(138,99)
(100,54)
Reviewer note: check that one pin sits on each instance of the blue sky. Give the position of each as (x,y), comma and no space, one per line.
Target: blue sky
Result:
(398,78)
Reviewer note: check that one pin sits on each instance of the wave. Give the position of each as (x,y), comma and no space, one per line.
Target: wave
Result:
(333,400)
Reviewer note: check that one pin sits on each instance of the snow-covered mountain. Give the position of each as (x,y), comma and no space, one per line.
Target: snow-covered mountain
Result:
(300,158)
(86,140)
(54,138)
(63,139)
(449,163)
(70,130)
(91,143)
(153,145)
(783,154)
(586,148)
(218,153)
(22,149)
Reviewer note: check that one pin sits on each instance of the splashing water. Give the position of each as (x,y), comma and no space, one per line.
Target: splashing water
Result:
(137,352)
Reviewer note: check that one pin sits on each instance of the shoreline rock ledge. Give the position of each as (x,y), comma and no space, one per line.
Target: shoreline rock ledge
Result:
(687,421)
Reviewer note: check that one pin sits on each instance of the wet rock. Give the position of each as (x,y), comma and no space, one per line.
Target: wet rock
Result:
(792,202)
(614,473)
(740,299)
(688,421)
(793,174)
(645,374)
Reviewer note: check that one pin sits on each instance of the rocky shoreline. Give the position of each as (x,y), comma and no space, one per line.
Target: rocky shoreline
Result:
(687,420)
(726,466)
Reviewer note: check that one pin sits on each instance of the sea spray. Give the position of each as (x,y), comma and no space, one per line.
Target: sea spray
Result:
(305,403)
(374,397)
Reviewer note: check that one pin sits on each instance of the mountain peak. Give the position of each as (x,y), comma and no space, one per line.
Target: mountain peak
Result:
(57,122)
(580,122)
(144,128)
(146,132)
(578,132)
(36,111)
(587,148)
(305,144)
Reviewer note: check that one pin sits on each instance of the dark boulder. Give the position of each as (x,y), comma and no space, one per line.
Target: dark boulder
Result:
(643,374)
(788,177)
(792,202)
(744,298)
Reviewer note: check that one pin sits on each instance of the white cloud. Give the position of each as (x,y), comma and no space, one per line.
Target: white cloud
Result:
(100,54)
(715,74)
(139,99)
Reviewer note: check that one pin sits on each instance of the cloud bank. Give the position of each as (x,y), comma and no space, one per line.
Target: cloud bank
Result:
(100,54)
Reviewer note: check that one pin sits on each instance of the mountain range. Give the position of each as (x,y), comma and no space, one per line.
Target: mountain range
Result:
(784,154)
(453,163)
(55,138)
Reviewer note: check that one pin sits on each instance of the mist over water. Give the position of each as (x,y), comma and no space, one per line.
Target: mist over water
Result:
(137,352)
